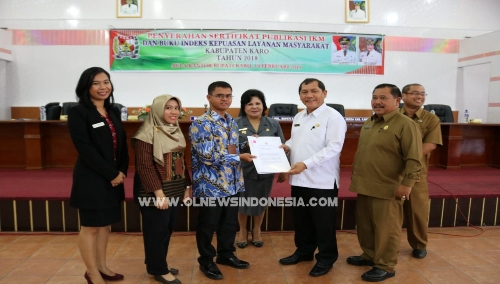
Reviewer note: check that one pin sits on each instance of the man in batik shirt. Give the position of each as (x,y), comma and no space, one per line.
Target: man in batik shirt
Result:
(217,174)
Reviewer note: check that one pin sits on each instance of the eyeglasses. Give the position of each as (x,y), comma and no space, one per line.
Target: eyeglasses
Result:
(221,96)
(417,94)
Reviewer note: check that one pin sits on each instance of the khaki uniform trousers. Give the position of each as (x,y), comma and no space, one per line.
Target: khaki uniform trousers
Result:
(416,214)
(378,223)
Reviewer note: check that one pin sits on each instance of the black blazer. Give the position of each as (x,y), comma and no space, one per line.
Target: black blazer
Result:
(95,167)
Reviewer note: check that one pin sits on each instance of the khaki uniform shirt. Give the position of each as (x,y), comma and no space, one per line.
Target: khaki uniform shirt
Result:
(389,154)
(430,127)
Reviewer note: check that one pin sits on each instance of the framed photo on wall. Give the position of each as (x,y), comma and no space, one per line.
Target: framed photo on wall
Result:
(129,8)
(357,11)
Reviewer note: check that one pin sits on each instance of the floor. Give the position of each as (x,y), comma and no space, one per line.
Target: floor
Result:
(455,255)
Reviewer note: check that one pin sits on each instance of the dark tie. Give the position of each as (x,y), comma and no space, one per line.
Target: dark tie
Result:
(345,52)
(368,53)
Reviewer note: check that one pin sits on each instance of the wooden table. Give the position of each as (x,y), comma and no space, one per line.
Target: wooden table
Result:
(42,144)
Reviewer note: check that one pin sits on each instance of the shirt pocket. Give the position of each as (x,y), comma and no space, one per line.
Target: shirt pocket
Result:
(317,133)
(424,130)
(386,140)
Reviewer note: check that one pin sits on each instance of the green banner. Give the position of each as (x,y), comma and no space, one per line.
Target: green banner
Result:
(247,51)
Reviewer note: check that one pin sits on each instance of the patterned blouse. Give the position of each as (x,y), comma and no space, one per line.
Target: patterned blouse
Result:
(113,133)
(173,177)
(216,173)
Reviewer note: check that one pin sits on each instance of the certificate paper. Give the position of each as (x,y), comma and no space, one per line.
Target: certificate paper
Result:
(270,157)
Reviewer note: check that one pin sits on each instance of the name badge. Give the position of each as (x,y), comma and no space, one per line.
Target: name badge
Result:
(295,125)
(98,124)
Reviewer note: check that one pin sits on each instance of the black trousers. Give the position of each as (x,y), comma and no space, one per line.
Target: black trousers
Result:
(157,228)
(315,225)
(220,219)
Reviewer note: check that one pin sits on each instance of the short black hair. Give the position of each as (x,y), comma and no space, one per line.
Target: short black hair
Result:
(85,83)
(247,96)
(395,92)
(221,84)
(408,87)
(310,80)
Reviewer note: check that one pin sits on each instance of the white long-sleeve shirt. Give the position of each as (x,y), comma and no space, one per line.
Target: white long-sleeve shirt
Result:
(129,9)
(339,57)
(374,58)
(357,14)
(317,139)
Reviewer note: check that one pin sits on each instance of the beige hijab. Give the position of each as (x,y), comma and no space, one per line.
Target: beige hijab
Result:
(164,137)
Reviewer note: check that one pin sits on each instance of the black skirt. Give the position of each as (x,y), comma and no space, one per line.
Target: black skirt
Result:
(100,218)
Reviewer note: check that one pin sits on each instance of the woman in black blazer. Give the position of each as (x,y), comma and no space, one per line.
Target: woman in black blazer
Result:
(98,135)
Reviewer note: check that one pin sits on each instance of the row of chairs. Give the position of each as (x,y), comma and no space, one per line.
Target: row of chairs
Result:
(55,110)
(444,112)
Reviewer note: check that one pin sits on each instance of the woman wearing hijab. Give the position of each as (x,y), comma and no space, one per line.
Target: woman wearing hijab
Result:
(160,174)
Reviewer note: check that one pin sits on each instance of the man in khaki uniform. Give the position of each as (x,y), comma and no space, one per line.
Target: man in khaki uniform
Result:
(386,167)
(416,210)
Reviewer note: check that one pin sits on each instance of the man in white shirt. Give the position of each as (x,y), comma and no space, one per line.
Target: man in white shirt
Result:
(370,56)
(357,13)
(317,138)
(129,8)
(344,55)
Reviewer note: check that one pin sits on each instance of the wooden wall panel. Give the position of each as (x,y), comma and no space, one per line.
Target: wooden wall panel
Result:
(55,215)
(274,218)
(476,210)
(193,217)
(133,217)
(12,149)
(7,219)
(350,144)
(477,146)
(25,112)
(22,212)
(277,218)
(349,210)
(450,206)
(182,220)
(436,207)
(463,211)
(58,147)
(488,212)
(71,223)
(36,145)
(120,225)
(39,215)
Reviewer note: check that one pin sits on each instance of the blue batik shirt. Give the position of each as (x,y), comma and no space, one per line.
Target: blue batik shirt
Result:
(216,173)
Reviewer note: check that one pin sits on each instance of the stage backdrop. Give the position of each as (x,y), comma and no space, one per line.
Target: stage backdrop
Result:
(246,51)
